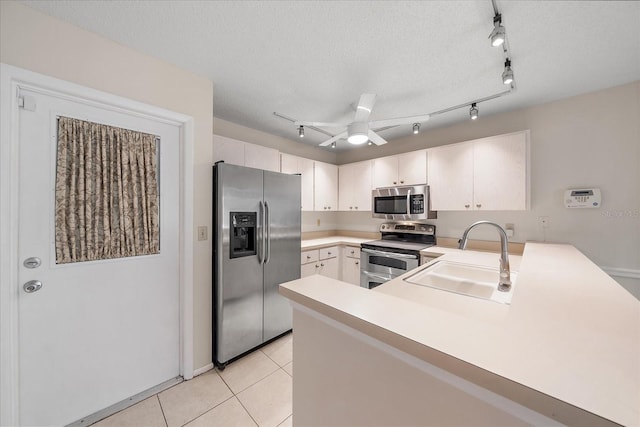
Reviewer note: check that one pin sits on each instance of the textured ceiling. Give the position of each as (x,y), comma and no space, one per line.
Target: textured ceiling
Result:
(311,60)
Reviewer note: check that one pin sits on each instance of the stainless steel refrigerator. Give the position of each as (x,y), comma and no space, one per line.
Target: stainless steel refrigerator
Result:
(256,246)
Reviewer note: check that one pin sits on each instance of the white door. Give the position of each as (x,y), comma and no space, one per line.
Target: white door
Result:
(96,332)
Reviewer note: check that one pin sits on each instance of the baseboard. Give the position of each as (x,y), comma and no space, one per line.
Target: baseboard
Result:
(621,272)
(202,370)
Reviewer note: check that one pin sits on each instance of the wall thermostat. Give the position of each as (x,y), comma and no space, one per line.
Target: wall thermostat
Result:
(582,198)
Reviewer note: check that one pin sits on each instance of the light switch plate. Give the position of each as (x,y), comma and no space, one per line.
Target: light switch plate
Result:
(202,232)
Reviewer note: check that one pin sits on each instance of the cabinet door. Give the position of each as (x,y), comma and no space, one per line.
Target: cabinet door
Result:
(500,172)
(309,269)
(450,178)
(294,164)
(412,168)
(351,270)
(325,186)
(385,171)
(354,187)
(259,157)
(228,149)
(329,267)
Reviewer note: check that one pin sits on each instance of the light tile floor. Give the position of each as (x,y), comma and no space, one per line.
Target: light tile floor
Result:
(253,391)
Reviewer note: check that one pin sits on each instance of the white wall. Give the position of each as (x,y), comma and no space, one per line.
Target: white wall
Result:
(37,42)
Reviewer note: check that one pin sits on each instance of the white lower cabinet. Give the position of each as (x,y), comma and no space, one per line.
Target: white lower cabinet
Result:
(351,265)
(323,261)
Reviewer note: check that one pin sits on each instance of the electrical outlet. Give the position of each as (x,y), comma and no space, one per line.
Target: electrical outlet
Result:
(318,222)
(202,232)
(543,221)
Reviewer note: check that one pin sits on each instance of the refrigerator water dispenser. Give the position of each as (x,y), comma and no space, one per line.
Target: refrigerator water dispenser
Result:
(243,234)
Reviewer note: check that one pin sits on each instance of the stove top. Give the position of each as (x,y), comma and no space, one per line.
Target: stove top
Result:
(404,236)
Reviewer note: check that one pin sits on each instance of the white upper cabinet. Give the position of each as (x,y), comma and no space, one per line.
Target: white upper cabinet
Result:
(259,157)
(243,153)
(485,174)
(228,149)
(402,169)
(294,164)
(325,180)
(354,186)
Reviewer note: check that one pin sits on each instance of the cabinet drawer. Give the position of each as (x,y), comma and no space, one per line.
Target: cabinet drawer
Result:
(326,253)
(309,256)
(352,252)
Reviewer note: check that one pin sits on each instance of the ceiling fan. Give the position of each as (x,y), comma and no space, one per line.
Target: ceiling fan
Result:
(360,130)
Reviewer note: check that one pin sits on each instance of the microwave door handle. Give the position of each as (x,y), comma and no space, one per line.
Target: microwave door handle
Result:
(409,201)
(389,254)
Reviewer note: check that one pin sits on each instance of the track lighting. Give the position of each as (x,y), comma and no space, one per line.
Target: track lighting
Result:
(507,74)
(498,34)
(333,144)
(369,143)
(473,112)
(416,128)
(301,131)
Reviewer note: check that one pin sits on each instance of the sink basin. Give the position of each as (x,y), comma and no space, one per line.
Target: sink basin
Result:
(466,279)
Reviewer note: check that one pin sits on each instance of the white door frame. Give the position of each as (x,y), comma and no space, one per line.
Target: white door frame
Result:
(11,80)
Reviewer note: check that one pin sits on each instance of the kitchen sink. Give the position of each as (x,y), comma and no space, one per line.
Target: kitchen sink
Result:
(466,279)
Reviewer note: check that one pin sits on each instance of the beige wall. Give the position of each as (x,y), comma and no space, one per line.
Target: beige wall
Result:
(37,42)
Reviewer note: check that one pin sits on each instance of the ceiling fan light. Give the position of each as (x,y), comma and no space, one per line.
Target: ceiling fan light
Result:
(416,128)
(358,133)
(473,112)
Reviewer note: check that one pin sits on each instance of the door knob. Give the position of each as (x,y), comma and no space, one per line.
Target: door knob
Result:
(33,262)
(32,286)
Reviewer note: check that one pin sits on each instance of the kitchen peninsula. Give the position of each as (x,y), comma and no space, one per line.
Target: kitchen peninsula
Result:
(566,350)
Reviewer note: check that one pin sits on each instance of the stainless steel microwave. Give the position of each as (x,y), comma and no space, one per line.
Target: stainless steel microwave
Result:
(402,203)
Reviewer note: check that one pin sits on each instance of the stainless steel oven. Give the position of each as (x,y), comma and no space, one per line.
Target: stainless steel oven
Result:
(408,203)
(396,253)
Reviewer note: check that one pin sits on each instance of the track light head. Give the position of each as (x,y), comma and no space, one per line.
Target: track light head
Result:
(473,112)
(301,131)
(369,143)
(333,144)
(507,74)
(497,36)
(416,128)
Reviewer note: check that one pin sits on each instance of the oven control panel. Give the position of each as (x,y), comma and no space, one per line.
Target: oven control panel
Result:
(408,227)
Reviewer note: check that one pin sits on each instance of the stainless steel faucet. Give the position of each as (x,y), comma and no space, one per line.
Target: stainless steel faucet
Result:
(504,284)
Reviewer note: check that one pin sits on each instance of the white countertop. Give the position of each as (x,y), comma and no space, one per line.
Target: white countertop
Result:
(332,241)
(571,332)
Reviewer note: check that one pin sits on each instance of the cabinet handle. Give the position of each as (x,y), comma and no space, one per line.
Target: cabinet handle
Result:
(466,206)
(478,205)
(350,207)
(321,265)
(353,252)
(328,253)
(325,208)
(308,256)
(401,182)
(394,182)
(357,262)
(329,207)
(356,208)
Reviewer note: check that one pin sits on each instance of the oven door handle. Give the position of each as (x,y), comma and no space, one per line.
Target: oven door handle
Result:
(389,254)
(376,276)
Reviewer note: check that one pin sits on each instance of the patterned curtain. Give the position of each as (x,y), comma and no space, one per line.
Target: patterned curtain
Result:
(106,192)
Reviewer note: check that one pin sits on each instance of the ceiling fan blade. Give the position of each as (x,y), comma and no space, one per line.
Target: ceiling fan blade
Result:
(365,105)
(320,124)
(376,139)
(399,121)
(334,138)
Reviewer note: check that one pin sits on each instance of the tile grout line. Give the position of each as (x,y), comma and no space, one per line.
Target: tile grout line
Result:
(166,423)
(209,410)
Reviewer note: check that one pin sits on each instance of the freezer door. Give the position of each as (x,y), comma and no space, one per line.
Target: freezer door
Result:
(282,264)
(238,287)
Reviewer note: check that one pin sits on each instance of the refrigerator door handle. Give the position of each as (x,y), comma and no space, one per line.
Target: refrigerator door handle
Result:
(261,245)
(267,226)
